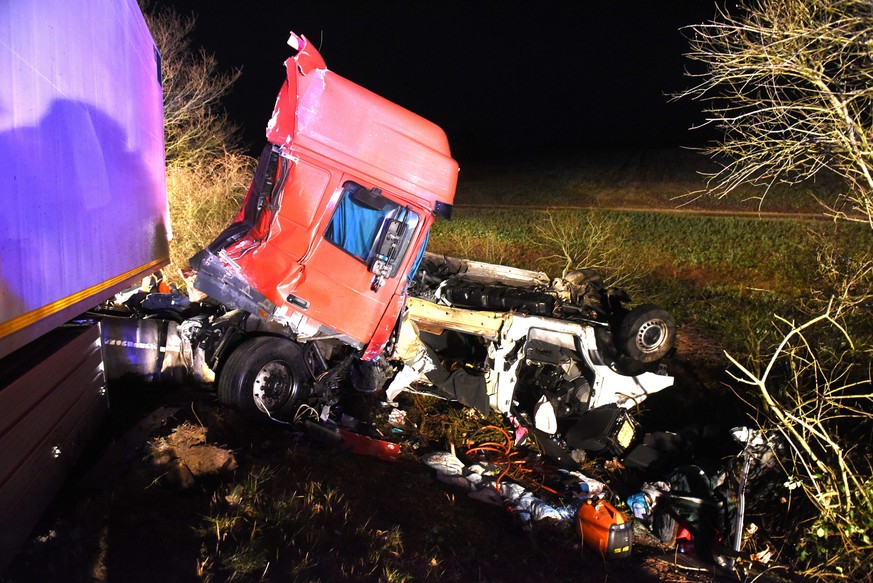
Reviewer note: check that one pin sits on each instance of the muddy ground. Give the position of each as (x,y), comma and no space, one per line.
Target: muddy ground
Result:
(145,509)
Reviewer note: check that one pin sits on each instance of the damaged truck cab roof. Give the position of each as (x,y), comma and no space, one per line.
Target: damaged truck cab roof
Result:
(321,113)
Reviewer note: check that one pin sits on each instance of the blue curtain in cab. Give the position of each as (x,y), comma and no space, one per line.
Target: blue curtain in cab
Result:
(354,227)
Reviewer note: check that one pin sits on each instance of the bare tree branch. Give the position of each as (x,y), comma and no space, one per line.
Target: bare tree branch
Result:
(807,396)
(789,84)
(195,126)
(206,174)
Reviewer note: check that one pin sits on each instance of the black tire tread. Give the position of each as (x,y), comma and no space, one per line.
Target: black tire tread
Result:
(235,376)
(633,320)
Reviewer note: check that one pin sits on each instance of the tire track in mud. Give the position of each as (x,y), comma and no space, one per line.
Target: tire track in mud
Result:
(764,215)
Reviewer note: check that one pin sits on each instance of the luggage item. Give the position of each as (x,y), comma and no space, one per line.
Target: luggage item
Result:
(604,529)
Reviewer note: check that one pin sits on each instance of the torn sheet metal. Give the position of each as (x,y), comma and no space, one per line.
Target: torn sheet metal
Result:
(508,333)
(362,445)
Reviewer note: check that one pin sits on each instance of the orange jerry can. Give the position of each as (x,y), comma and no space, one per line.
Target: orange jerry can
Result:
(604,529)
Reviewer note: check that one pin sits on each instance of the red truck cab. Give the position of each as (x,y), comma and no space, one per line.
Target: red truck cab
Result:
(317,264)
(338,213)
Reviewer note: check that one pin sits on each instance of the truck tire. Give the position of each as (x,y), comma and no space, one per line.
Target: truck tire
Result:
(647,333)
(264,378)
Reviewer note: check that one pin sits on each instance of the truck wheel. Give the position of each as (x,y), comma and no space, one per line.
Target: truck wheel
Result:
(264,377)
(647,333)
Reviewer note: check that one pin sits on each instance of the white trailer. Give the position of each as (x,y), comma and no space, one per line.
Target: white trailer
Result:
(84,215)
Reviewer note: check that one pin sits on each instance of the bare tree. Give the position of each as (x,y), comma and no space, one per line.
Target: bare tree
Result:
(595,242)
(789,83)
(845,280)
(206,173)
(820,403)
(194,123)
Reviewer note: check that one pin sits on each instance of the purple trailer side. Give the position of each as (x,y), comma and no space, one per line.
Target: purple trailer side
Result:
(84,208)
(83,214)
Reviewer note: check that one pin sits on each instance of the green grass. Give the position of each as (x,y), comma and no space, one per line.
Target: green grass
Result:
(760,251)
(727,275)
(270,524)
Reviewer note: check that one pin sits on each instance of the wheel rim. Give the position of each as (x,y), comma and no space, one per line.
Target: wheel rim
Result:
(274,385)
(651,336)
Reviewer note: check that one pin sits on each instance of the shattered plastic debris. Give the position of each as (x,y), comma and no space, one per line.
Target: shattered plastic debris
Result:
(521,432)
(643,502)
(362,445)
(444,463)
(528,507)
(450,469)
(640,506)
(581,485)
(397,418)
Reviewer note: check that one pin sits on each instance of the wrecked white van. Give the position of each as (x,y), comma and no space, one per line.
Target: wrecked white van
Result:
(563,357)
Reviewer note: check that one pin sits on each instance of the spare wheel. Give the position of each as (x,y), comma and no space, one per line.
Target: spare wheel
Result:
(647,333)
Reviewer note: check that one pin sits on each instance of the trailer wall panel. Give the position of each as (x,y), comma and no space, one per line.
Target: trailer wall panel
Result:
(49,411)
(84,207)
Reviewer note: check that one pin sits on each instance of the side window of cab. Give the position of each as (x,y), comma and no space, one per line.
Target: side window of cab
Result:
(372,228)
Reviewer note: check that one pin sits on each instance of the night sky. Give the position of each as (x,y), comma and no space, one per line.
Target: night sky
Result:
(501,78)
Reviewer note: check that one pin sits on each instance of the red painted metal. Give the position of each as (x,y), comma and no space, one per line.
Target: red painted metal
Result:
(328,131)
(363,445)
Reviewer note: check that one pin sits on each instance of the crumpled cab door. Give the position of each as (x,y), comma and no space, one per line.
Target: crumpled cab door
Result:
(360,263)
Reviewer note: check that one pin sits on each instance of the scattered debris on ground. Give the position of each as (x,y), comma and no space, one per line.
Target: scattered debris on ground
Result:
(261,497)
(495,426)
